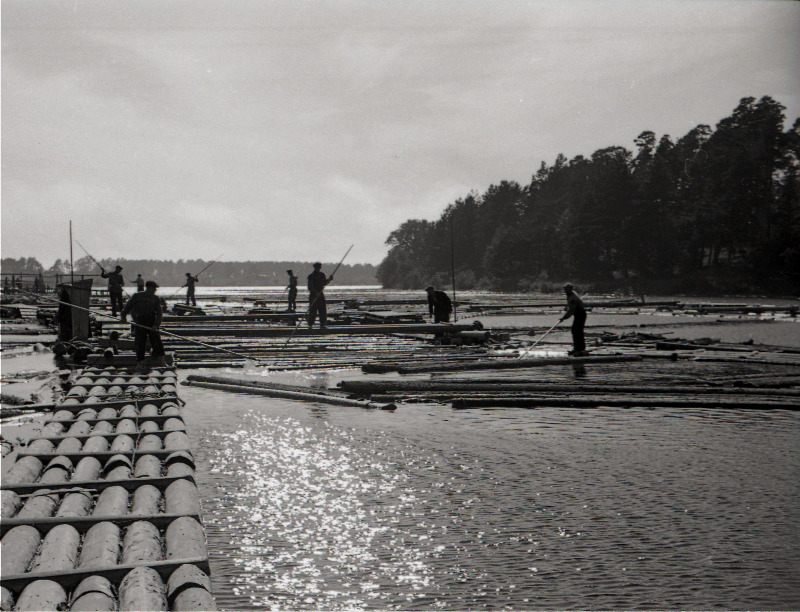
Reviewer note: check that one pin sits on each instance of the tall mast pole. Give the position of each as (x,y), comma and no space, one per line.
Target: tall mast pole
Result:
(71,266)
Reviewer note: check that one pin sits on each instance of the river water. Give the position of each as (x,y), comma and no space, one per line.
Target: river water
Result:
(316,507)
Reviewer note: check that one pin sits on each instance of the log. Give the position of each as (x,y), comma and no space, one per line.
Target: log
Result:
(185,539)
(285,332)
(182,497)
(26,469)
(500,364)
(112,501)
(147,466)
(142,543)
(59,550)
(75,504)
(42,595)
(93,594)
(295,395)
(18,548)
(189,588)
(101,546)
(626,402)
(146,500)
(10,502)
(6,599)
(370,387)
(142,589)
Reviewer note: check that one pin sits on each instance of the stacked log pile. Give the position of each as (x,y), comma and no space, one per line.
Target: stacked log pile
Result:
(100,511)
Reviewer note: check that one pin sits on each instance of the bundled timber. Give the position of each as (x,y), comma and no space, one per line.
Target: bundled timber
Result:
(101,510)
(372,387)
(281,391)
(500,364)
(285,332)
(582,401)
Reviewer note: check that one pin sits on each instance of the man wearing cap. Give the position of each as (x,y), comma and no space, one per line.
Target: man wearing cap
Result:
(115,284)
(576,310)
(316,298)
(145,308)
(439,305)
(292,307)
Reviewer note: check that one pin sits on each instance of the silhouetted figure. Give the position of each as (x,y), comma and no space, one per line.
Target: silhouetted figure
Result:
(439,305)
(190,281)
(139,283)
(292,305)
(115,285)
(576,310)
(316,297)
(64,315)
(145,307)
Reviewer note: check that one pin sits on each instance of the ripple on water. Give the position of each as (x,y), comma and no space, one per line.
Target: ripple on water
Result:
(435,509)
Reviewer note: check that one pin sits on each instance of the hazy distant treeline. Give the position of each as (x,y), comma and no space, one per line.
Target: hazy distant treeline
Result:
(220,274)
(718,209)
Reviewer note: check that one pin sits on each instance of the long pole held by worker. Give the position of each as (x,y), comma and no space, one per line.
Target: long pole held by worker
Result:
(99,265)
(107,316)
(296,327)
(531,347)
(169,297)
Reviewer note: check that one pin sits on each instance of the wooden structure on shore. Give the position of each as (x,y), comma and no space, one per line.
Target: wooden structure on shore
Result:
(100,511)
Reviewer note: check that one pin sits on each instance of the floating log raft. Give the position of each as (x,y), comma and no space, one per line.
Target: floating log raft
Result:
(305,394)
(100,511)
(251,331)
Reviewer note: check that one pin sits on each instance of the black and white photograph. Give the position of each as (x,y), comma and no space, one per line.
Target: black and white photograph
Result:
(456,305)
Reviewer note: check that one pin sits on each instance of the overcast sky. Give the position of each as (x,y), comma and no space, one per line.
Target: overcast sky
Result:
(286,130)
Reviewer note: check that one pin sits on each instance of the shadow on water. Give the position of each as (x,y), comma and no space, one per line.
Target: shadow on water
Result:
(310,507)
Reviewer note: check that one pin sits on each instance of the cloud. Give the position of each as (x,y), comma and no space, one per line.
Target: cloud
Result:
(291,130)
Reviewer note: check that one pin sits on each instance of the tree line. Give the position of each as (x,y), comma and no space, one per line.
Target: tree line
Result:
(173,273)
(717,210)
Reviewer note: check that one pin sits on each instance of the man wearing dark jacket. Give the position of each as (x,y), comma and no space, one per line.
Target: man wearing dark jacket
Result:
(439,305)
(316,298)
(577,311)
(115,284)
(146,310)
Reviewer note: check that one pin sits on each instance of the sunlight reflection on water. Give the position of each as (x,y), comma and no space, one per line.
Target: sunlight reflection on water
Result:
(330,508)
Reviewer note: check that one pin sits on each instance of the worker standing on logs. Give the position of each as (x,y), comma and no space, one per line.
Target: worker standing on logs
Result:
(316,297)
(292,305)
(146,310)
(439,305)
(190,282)
(577,311)
(115,284)
(139,283)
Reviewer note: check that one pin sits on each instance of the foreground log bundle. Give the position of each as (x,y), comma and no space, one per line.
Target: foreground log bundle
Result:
(101,511)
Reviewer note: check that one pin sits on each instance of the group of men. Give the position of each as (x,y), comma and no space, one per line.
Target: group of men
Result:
(440,306)
(145,307)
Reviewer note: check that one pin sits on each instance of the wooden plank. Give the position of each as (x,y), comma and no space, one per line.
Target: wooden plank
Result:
(71,578)
(77,456)
(145,399)
(160,418)
(110,435)
(129,484)
(82,523)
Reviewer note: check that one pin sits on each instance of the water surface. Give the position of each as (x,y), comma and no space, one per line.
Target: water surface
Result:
(313,507)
